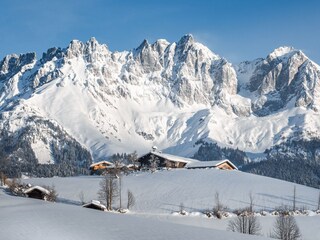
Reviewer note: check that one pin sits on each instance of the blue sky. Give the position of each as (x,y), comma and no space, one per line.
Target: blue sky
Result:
(235,29)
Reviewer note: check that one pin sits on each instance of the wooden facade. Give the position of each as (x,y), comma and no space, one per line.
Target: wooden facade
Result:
(225,166)
(163,161)
(99,167)
(171,161)
(37,192)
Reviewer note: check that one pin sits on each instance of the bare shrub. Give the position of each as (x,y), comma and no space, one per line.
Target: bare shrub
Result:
(133,159)
(81,198)
(218,206)
(15,187)
(247,224)
(53,195)
(182,210)
(286,228)
(154,163)
(131,200)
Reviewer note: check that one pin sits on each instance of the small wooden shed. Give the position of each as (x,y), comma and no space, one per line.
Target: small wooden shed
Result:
(37,192)
(94,204)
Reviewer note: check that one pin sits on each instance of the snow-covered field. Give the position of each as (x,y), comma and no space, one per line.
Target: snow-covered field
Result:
(158,195)
(24,219)
(163,191)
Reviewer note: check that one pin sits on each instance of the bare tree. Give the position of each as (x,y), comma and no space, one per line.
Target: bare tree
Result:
(53,195)
(218,206)
(294,199)
(286,228)
(120,191)
(108,190)
(245,223)
(251,199)
(81,197)
(319,201)
(117,172)
(2,179)
(133,159)
(154,163)
(182,210)
(131,200)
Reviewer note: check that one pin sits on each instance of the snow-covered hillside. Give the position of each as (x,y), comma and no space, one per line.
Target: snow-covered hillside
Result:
(163,191)
(160,194)
(29,219)
(166,94)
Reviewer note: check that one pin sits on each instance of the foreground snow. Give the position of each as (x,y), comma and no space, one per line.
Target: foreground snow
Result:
(159,195)
(24,219)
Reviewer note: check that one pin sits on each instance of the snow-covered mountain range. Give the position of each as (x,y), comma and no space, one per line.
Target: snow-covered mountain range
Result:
(171,95)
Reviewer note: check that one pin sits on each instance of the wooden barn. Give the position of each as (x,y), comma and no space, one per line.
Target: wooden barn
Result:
(37,192)
(221,164)
(171,161)
(99,167)
(94,204)
(164,160)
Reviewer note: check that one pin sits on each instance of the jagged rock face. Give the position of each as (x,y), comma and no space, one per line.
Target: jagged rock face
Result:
(186,71)
(286,74)
(12,64)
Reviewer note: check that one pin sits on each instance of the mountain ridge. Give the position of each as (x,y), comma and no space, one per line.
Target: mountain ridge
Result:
(173,95)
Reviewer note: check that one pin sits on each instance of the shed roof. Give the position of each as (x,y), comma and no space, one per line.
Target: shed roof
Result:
(101,162)
(172,158)
(203,164)
(95,203)
(41,189)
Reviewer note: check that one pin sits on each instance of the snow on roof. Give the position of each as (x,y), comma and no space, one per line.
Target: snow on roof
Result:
(173,158)
(41,189)
(95,203)
(101,162)
(203,164)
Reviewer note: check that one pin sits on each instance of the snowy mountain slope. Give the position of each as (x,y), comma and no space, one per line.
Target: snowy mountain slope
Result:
(167,94)
(23,218)
(285,78)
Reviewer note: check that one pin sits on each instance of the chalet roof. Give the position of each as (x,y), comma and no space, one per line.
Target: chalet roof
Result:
(172,158)
(41,189)
(95,203)
(101,162)
(203,164)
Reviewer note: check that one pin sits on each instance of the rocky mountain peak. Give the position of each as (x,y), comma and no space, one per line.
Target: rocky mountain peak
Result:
(51,53)
(12,64)
(187,39)
(280,78)
(91,50)
(281,51)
